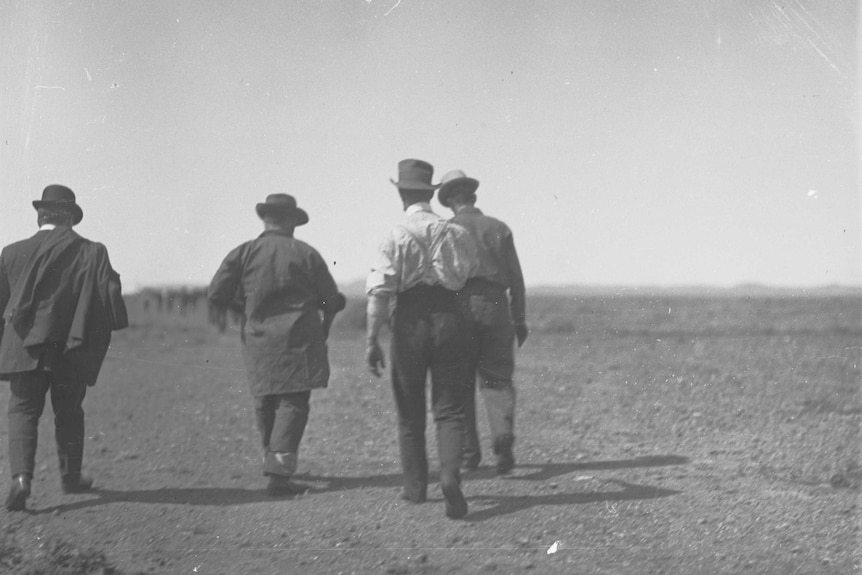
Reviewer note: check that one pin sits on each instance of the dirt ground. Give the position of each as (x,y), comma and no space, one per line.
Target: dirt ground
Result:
(654,435)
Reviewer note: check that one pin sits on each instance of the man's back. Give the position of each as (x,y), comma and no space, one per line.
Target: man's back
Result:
(423,249)
(49,285)
(279,274)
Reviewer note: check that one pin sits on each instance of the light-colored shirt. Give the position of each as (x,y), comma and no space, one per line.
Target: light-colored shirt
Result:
(423,249)
(498,260)
(47,227)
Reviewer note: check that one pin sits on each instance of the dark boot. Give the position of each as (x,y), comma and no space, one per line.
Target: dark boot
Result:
(456,505)
(76,484)
(282,486)
(18,493)
(503,451)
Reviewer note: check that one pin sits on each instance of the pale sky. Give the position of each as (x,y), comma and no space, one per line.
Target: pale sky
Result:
(672,142)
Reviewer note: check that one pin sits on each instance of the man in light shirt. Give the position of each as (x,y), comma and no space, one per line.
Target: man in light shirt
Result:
(422,263)
(496,298)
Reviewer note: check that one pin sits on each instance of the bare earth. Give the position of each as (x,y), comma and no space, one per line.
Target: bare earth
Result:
(655,435)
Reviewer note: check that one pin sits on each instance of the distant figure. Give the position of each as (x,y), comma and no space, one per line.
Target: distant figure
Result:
(422,263)
(60,299)
(281,283)
(497,319)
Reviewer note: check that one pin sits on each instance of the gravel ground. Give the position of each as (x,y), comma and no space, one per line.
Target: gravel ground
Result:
(643,447)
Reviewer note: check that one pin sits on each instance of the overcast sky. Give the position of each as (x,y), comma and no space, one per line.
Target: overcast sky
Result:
(671,142)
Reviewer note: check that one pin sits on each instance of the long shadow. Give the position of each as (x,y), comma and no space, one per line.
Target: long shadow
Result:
(513,504)
(226,496)
(550,470)
(211,496)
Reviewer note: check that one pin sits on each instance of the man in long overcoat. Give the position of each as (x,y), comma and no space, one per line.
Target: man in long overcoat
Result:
(281,284)
(60,299)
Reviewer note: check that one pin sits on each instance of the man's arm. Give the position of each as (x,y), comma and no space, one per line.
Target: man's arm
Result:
(381,285)
(329,299)
(224,287)
(5,293)
(517,291)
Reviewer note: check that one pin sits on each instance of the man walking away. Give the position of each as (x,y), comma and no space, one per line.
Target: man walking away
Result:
(60,299)
(422,263)
(497,319)
(282,285)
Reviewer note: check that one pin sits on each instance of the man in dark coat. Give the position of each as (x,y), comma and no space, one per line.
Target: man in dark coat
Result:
(60,299)
(495,300)
(281,284)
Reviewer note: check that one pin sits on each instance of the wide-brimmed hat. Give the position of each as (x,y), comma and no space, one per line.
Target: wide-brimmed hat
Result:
(455,181)
(415,175)
(57,196)
(282,204)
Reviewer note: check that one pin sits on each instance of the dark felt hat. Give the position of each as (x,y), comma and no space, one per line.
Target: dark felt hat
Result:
(415,175)
(57,196)
(282,204)
(455,181)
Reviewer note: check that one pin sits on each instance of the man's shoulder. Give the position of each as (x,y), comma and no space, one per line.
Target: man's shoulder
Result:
(284,242)
(468,219)
(20,245)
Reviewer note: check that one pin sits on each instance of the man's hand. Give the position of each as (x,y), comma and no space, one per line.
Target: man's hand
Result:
(521,332)
(374,358)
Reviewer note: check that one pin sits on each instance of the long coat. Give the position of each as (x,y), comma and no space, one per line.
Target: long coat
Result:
(58,290)
(280,283)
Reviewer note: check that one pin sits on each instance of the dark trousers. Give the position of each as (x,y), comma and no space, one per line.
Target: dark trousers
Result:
(26,404)
(429,335)
(281,420)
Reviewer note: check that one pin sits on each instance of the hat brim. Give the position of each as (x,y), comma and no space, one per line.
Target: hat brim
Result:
(414,185)
(466,184)
(75,209)
(264,209)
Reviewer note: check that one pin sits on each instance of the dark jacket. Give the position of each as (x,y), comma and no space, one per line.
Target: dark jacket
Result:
(58,291)
(282,283)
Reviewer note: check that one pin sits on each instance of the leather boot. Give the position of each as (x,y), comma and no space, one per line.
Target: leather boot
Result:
(18,493)
(76,484)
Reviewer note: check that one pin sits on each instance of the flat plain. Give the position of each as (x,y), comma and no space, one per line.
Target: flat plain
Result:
(670,433)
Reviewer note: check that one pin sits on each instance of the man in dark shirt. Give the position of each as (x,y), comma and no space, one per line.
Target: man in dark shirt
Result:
(60,300)
(281,284)
(497,319)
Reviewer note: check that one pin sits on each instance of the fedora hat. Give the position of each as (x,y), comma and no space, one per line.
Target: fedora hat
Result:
(415,175)
(282,204)
(57,196)
(455,181)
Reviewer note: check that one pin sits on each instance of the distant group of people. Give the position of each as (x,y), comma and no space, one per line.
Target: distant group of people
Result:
(451,292)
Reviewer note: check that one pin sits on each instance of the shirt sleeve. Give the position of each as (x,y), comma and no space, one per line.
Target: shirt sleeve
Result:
(384,279)
(226,282)
(517,291)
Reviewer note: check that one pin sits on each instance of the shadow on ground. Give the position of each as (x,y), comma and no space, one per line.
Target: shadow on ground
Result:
(226,496)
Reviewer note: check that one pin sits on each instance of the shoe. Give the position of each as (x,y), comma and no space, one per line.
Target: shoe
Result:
(281,486)
(456,505)
(18,493)
(470,465)
(81,484)
(503,451)
(419,498)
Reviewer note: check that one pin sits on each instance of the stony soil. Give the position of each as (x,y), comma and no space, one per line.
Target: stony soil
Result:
(655,435)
